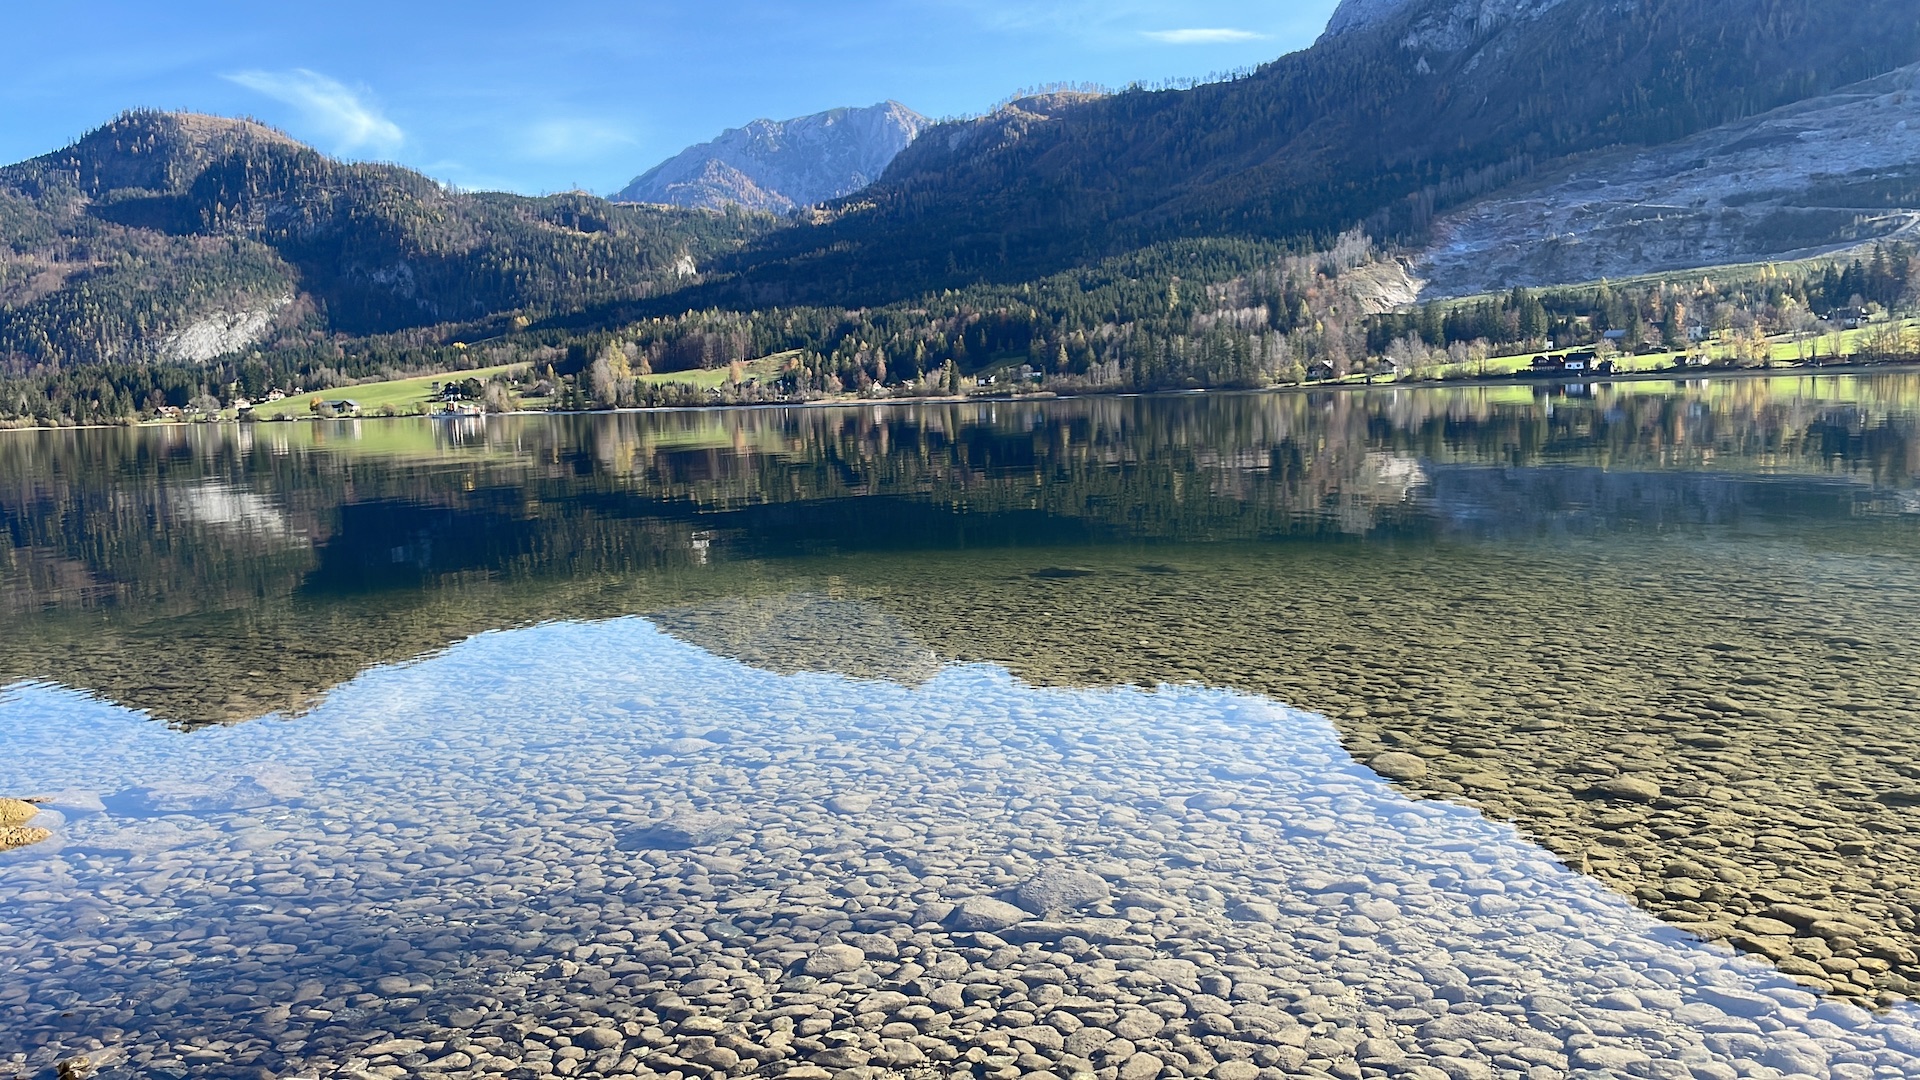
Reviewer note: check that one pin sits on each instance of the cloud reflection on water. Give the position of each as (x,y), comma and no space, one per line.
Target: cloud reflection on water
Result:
(453,824)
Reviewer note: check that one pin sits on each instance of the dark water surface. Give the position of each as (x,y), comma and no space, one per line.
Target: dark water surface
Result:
(1436,733)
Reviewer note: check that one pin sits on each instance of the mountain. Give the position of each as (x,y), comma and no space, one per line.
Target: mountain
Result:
(1455,22)
(1811,179)
(778,166)
(1354,15)
(1232,234)
(179,237)
(1412,108)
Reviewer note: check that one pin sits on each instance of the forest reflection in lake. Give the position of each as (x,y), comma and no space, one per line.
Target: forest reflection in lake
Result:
(1657,627)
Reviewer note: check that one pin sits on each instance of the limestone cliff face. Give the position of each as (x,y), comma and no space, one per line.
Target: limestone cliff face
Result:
(1435,25)
(1354,15)
(218,333)
(780,166)
(1809,180)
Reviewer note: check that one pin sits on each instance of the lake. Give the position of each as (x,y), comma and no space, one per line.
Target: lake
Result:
(1436,733)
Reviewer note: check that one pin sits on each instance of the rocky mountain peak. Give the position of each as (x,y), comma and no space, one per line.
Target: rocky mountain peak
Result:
(781,165)
(1434,25)
(1354,15)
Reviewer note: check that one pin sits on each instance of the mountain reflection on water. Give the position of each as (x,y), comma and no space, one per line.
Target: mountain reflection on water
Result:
(307,552)
(184,519)
(1659,627)
(596,848)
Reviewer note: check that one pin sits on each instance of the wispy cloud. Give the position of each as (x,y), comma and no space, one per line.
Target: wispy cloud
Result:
(334,112)
(1202,36)
(573,139)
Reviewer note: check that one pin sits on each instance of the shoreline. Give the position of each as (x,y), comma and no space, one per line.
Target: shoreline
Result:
(1515,379)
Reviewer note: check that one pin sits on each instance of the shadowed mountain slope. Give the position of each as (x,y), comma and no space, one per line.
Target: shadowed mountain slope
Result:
(1426,106)
(179,237)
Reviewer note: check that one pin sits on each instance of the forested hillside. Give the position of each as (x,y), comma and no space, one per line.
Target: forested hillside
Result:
(1238,233)
(1381,125)
(178,237)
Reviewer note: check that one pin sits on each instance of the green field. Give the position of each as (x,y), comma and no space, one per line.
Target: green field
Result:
(406,396)
(413,396)
(766,369)
(416,395)
(1781,350)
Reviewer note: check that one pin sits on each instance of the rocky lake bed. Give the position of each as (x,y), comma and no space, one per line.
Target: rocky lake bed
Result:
(650,860)
(1737,756)
(1449,734)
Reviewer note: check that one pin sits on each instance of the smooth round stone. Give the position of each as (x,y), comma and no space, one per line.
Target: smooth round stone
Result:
(834,960)
(985,913)
(1625,788)
(850,804)
(1061,889)
(1399,766)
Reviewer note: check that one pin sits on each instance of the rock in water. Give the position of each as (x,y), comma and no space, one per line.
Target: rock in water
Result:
(1625,788)
(850,804)
(985,913)
(1060,889)
(1399,766)
(834,959)
(19,836)
(682,831)
(14,830)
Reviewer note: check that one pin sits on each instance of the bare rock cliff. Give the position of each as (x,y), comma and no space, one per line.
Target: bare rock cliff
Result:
(783,165)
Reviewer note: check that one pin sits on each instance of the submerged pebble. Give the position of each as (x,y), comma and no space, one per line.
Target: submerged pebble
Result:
(1181,883)
(1666,717)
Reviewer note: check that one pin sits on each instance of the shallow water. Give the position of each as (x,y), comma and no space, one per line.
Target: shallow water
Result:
(469,842)
(749,688)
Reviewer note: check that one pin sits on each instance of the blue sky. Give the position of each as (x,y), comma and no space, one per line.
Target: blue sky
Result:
(549,96)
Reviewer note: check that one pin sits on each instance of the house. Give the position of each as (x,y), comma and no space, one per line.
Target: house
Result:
(1850,318)
(1618,337)
(1578,362)
(275,395)
(1320,371)
(345,407)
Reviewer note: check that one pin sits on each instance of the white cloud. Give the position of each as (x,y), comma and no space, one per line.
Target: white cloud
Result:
(1202,36)
(337,115)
